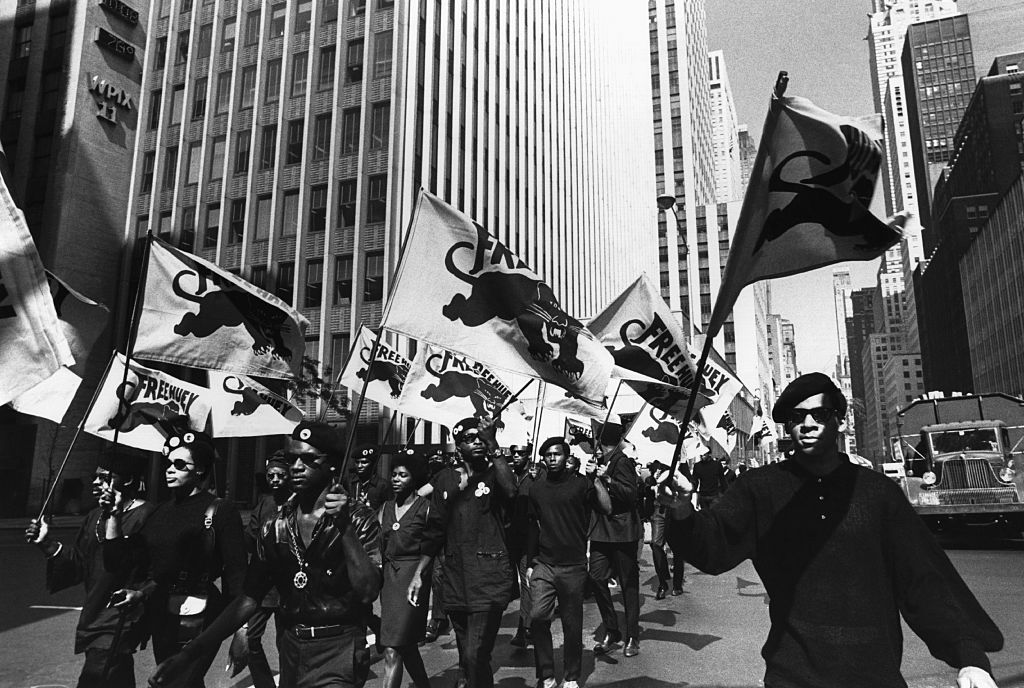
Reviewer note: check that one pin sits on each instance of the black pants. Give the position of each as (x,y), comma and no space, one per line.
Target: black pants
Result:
(475,633)
(563,585)
(340,661)
(167,642)
(259,667)
(618,559)
(120,674)
(658,526)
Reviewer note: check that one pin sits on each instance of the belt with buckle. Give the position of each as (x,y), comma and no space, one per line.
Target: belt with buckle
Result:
(304,632)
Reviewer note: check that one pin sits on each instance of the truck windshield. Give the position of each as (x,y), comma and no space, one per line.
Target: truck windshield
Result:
(978,439)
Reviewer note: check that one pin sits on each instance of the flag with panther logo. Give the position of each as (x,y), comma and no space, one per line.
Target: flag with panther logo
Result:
(814,199)
(242,407)
(459,287)
(383,377)
(143,405)
(199,315)
(655,433)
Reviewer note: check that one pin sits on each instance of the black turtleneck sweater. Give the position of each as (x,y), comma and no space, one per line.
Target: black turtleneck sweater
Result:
(561,507)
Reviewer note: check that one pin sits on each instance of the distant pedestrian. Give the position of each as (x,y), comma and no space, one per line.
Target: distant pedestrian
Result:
(659,518)
(520,457)
(561,504)
(842,555)
(365,484)
(107,635)
(708,480)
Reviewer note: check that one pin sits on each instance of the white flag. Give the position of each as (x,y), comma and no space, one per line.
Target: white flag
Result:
(654,434)
(461,288)
(199,315)
(383,376)
(720,385)
(242,407)
(32,344)
(445,387)
(143,405)
(51,398)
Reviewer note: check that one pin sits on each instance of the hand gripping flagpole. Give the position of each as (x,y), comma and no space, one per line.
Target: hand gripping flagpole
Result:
(354,420)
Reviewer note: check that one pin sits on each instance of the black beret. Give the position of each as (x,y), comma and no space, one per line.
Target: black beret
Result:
(277,458)
(321,436)
(463,426)
(807,386)
(199,445)
(121,464)
(370,451)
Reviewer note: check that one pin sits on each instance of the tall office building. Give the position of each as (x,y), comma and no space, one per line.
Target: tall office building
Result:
(887,27)
(683,148)
(724,132)
(287,141)
(938,70)
(70,76)
(875,429)
(843,306)
(748,151)
(859,324)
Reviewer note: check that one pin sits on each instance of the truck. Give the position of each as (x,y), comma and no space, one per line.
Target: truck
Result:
(962,458)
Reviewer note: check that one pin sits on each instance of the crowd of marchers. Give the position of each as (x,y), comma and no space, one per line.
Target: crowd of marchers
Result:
(449,541)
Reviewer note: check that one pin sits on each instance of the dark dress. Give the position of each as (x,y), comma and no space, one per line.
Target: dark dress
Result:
(415,535)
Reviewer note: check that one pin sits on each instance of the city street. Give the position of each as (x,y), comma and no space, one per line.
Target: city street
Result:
(711,636)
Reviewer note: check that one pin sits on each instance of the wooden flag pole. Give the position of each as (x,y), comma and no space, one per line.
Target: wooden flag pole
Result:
(607,415)
(690,403)
(537,415)
(133,330)
(515,396)
(411,434)
(354,420)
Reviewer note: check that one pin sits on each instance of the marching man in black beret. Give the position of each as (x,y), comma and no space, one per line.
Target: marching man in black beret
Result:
(842,555)
(323,556)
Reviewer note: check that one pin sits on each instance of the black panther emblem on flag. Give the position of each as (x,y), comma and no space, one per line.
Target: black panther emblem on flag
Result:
(639,360)
(518,298)
(231,306)
(816,203)
(383,371)
(486,397)
(131,414)
(666,430)
(250,401)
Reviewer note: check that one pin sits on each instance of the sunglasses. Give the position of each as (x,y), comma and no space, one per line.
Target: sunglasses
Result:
(819,414)
(309,459)
(469,437)
(179,464)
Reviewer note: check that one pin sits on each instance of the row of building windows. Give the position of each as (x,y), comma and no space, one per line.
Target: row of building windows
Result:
(303,11)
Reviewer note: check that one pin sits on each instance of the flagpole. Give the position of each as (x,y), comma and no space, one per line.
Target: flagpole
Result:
(411,433)
(359,405)
(391,425)
(690,403)
(607,415)
(537,415)
(401,257)
(133,328)
(78,431)
(515,396)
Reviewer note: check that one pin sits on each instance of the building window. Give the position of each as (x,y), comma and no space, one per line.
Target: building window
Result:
(356,7)
(223,93)
(148,165)
(285,282)
(160,54)
(263,218)
(181,53)
(340,344)
(15,100)
(252,27)
(242,142)
(325,74)
(22,41)
(350,131)
(299,74)
(373,279)
(258,276)
(194,162)
(187,238)
(170,165)
(272,85)
(354,61)
(177,104)
(164,229)
(278,13)
(199,99)
(329,11)
(268,147)
(380,117)
(377,201)
(293,151)
(212,229)
(217,158)
(290,214)
(347,204)
(205,40)
(382,55)
(318,208)
(322,137)
(314,283)
(236,227)
(342,280)
(303,13)
(381,4)
(248,86)
(155,102)
(227,38)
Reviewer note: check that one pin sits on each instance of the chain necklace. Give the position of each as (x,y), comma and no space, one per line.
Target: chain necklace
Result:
(301,578)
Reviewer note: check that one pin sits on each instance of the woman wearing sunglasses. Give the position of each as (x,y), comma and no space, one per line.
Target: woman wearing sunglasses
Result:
(190,541)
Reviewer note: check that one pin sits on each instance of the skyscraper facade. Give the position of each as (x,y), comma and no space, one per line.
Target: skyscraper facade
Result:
(748,151)
(725,132)
(887,27)
(859,325)
(841,290)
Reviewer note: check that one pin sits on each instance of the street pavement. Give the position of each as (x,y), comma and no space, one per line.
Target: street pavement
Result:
(709,637)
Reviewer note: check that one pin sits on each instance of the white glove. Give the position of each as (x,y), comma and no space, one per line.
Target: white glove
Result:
(37,531)
(973,677)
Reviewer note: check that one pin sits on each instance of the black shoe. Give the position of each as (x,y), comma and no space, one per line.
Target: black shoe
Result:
(606,645)
(676,592)
(519,639)
(433,628)
(632,648)
(662,591)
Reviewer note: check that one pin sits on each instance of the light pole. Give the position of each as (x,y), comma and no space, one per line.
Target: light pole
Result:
(667,202)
